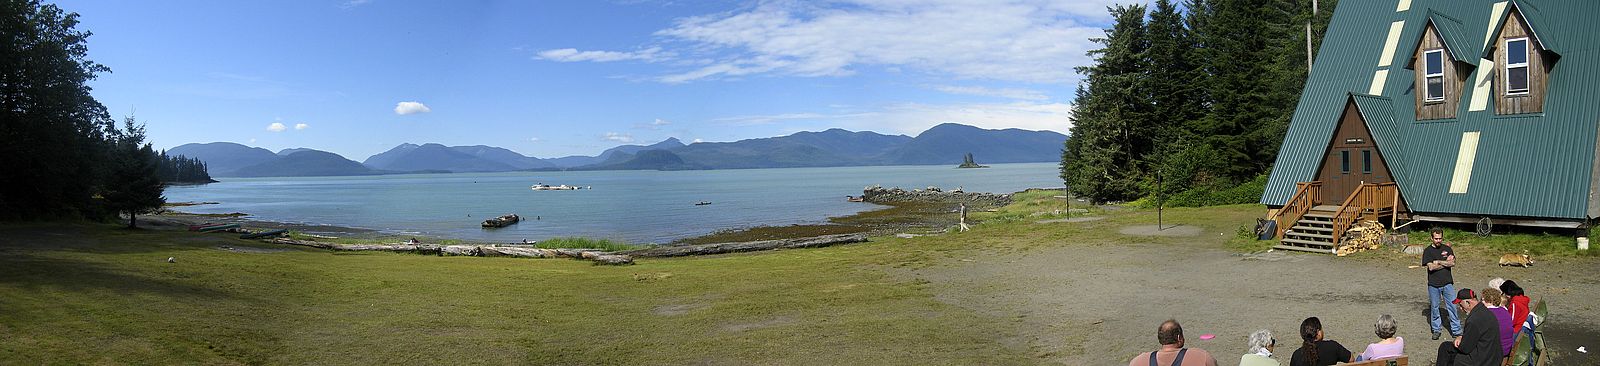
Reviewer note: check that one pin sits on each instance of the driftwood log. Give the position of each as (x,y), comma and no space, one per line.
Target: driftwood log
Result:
(748,246)
(468,250)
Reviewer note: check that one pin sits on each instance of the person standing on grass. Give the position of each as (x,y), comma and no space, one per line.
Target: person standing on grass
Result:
(1172,353)
(1439,258)
(1479,343)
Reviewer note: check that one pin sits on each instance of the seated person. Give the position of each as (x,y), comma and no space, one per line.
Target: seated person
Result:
(1496,302)
(1172,352)
(1315,351)
(1261,345)
(1388,344)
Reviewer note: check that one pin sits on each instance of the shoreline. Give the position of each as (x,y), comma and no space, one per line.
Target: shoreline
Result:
(895,217)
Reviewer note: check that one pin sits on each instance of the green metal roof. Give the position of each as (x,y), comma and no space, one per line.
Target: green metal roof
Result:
(1531,165)
(1454,36)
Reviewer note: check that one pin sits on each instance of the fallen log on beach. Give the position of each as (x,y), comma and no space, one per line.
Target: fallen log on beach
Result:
(596,255)
(748,246)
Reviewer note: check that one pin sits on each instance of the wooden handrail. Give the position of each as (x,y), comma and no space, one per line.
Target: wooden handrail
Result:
(1367,200)
(1305,197)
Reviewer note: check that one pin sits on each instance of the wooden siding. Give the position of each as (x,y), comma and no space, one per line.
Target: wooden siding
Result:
(1351,136)
(1454,77)
(1533,102)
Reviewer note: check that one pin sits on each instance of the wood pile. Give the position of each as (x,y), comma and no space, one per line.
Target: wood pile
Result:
(1366,235)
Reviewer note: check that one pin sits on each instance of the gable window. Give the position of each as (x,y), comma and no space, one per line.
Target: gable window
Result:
(1344,161)
(1433,70)
(1517,66)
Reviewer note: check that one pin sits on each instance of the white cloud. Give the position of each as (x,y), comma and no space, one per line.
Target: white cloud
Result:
(1037,41)
(617,137)
(653,125)
(276,127)
(660,122)
(574,55)
(353,3)
(252,141)
(1023,94)
(696,141)
(404,108)
(534,139)
(301,126)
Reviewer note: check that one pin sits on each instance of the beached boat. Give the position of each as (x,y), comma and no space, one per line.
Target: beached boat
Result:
(854,199)
(263,234)
(221,227)
(563,187)
(502,221)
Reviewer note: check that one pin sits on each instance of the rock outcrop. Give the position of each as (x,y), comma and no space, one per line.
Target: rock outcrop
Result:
(876,194)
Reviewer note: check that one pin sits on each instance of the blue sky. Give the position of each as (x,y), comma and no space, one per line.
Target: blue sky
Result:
(556,78)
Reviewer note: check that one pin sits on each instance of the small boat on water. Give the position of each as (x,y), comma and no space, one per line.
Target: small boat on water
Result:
(563,187)
(502,221)
(854,199)
(263,234)
(703,203)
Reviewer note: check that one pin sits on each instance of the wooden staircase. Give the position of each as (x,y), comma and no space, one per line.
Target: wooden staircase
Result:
(1305,224)
(1313,232)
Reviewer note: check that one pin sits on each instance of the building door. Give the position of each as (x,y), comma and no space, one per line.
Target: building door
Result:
(1352,159)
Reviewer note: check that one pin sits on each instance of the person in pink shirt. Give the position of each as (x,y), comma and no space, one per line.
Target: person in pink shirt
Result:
(1389,345)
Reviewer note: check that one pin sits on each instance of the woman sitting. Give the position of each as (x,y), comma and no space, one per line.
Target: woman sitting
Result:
(1261,344)
(1496,302)
(1314,351)
(1517,303)
(1388,344)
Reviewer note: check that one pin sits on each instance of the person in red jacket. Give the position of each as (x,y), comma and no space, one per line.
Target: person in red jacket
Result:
(1517,303)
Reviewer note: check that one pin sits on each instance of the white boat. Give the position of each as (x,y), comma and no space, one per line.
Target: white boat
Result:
(563,187)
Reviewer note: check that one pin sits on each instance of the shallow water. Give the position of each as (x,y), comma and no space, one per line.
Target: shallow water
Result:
(633,206)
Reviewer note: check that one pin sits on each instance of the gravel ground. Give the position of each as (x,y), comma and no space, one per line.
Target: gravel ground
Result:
(1100,303)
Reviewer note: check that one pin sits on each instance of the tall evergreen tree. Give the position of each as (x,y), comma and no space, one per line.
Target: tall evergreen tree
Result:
(1112,129)
(133,187)
(54,133)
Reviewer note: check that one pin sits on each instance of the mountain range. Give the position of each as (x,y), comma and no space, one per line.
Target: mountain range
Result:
(943,144)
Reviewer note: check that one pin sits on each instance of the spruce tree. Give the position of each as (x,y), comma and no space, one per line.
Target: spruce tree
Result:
(1111,129)
(134,186)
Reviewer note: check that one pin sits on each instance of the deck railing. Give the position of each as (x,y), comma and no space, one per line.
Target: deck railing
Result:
(1305,197)
(1369,201)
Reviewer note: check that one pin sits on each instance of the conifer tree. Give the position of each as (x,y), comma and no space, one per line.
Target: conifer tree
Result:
(133,187)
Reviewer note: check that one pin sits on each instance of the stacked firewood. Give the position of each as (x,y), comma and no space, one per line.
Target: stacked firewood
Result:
(1366,235)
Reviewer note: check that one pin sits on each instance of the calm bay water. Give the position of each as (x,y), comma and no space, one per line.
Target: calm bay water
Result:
(633,206)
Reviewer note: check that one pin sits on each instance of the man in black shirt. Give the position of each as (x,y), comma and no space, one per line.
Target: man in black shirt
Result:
(1479,343)
(1439,258)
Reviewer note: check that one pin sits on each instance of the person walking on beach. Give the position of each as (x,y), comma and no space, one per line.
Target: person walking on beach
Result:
(1172,353)
(1439,258)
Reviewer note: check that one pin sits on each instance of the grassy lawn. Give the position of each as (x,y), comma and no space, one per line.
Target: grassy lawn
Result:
(79,294)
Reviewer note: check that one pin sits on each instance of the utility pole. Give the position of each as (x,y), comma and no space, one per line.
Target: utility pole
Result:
(1159,226)
(1313,18)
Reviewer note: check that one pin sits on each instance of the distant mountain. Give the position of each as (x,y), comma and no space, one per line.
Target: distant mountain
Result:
(646,160)
(307,163)
(943,144)
(503,156)
(948,143)
(224,159)
(434,157)
(608,157)
(286,152)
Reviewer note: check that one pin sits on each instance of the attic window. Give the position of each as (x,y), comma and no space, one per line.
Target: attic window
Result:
(1433,70)
(1517,66)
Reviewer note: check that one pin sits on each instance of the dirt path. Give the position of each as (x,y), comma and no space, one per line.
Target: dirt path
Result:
(1099,303)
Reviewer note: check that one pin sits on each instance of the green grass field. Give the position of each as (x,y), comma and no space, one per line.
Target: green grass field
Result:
(91,294)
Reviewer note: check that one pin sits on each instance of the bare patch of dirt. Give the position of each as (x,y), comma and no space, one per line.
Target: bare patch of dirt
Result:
(1164,230)
(774,322)
(1100,304)
(677,309)
(1069,220)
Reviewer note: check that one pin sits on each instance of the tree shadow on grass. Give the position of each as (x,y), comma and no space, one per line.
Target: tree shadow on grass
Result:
(36,273)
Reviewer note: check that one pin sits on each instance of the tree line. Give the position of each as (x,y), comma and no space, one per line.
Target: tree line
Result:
(64,156)
(1190,101)
(182,169)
